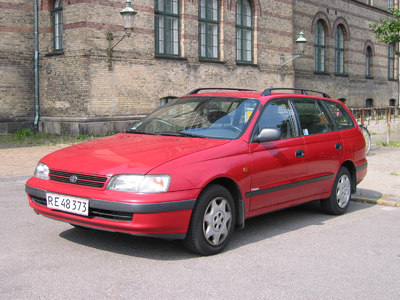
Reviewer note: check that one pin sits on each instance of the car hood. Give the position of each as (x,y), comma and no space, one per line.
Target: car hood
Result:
(126,153)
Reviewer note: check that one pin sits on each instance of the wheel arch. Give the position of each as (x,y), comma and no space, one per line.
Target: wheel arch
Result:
(349,165)
(234,190)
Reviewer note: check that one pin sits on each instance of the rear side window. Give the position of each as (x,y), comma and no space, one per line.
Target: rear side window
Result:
(313,118)
(340,115)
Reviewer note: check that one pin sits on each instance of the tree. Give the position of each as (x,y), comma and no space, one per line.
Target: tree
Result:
(389,31)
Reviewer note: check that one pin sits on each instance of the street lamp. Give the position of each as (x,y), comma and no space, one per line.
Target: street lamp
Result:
(300,42)
(128,16)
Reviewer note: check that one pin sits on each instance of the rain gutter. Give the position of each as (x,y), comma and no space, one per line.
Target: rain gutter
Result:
(36,64)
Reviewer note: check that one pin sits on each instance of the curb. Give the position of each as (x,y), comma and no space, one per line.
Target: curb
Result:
(392,203)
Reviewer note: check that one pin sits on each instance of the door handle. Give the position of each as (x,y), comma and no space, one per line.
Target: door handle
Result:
(338,146)
(300,153)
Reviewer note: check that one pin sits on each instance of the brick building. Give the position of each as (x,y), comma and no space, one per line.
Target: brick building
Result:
(343,58)
(179,45)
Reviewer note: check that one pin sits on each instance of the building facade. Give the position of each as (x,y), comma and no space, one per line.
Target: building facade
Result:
(16,65)
(343,58)
(177,46)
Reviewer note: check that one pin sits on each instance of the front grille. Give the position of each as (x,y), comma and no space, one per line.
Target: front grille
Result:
(79,179)
(96,213)
(40,201)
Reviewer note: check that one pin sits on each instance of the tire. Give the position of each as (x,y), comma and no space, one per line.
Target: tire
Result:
(367,138)
(212,222)
(340,197)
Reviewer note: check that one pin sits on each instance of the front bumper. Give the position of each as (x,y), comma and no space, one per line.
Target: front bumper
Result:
(167,219)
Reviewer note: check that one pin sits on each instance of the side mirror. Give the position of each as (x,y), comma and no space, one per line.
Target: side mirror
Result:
(269,134)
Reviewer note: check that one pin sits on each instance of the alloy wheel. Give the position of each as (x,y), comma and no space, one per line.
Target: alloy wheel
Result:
(217,221)
(343,191)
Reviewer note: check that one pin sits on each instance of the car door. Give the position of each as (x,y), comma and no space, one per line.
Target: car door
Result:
(323,146)
(278,167)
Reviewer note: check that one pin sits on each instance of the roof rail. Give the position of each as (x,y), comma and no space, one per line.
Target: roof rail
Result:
(196,91)
(268,92)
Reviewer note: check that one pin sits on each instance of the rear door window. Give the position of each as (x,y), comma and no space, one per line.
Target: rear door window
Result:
(313,118)
(340,115)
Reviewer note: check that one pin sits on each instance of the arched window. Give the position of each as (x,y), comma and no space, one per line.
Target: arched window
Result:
(339,50)
(392,102)
(391,61)
(320,47)
(369,102)
(244,31)
(209,29)
(167,27)
(368,62)
(58,25)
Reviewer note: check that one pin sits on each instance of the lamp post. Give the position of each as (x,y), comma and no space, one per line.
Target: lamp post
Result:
(128,16)
(300,42)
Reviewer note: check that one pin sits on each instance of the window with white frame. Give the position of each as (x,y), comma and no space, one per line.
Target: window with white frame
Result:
(167,27)
(58,25)
(319,48)
(244,31)
(391,61)
(209,29)
(339,50)
(368,62)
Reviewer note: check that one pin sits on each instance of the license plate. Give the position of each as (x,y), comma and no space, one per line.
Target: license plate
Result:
(69,204)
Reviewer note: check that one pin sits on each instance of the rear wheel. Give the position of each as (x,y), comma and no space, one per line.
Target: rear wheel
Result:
(212,222)
(340,197)
(367,138)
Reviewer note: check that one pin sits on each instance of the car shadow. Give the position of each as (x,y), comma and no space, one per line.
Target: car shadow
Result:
(256,229)
(284,221)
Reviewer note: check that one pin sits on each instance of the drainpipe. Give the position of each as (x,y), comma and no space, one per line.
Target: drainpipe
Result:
(36,63)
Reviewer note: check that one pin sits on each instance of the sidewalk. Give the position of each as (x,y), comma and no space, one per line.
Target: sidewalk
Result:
(21,162)
(381,185)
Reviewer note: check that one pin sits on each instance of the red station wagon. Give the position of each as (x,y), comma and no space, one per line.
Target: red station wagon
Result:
(199,166)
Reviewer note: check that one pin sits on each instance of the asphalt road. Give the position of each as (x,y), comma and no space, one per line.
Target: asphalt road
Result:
(298,253)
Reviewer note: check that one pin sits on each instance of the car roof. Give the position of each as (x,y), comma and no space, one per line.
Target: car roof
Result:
(240,94)
(246,93)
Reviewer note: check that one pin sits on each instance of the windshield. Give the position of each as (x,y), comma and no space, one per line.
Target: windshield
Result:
(209,117)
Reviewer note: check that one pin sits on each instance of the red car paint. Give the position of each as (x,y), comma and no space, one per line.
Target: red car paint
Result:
(262,176)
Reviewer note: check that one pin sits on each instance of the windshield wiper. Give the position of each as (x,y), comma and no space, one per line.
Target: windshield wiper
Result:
(138,131)
(166,133)
(133,131)
(177,133)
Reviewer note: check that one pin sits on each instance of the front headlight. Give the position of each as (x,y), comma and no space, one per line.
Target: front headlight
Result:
(41,171)
(140,183)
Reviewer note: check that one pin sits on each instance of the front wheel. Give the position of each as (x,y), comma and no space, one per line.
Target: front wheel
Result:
(340,197)
(212,223)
